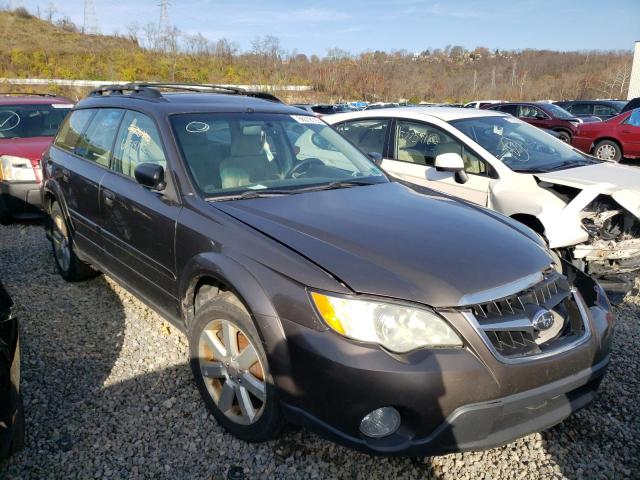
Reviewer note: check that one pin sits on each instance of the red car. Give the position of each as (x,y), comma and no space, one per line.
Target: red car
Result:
(614,139)
(547,116)
(28,124)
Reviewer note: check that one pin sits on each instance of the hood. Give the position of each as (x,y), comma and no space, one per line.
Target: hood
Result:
(31,148)
(622,182)
(389,240)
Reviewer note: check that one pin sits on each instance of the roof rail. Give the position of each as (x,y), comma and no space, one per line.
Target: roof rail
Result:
(152,90)
(29,93)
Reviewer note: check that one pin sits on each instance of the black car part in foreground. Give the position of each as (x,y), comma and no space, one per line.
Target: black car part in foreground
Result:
(11,413)
(311,287)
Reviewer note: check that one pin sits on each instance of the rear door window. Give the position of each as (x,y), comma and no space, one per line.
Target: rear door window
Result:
(604,110)
(368,135)
(72,129)
(97,142)
(580,109)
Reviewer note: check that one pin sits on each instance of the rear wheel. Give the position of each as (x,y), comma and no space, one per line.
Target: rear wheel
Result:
(608,150)
(231,370)
(70,267)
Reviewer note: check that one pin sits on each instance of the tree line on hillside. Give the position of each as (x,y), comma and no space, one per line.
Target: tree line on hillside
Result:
(450,74)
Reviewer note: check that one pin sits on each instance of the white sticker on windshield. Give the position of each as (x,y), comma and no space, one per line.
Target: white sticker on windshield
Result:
(307,119)
(257,187)
(497,129)
(197,127)
(62,105)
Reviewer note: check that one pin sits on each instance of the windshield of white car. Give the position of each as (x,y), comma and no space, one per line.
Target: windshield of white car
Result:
(230,154)
(520,146)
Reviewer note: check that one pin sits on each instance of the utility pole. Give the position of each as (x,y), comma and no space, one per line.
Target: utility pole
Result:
(90,25)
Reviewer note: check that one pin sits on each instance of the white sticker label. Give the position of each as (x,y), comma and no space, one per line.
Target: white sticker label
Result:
(257,187)
(62,105)
(497,129)
(307,119)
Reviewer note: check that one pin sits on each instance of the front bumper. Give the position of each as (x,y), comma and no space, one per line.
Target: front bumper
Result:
(21,199)
(449,399)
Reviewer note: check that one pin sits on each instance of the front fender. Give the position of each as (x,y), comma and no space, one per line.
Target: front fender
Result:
(248,290)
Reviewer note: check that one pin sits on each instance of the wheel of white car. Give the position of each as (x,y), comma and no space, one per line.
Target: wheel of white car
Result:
(608,150)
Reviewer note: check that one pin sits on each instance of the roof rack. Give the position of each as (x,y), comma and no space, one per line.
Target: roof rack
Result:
(29,93)
(152,90)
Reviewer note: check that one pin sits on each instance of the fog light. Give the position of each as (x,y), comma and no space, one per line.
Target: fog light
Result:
(380,422)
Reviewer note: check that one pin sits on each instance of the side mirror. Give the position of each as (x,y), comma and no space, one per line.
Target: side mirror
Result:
(150,175)
(452,162)
(375,157)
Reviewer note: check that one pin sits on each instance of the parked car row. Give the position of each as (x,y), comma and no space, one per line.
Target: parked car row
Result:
(352,278)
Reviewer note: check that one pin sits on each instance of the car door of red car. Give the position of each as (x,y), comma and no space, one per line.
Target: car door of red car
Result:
(629,134)
(533,115)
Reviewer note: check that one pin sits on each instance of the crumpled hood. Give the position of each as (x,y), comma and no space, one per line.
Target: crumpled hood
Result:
(389,240)
(622,182)
(30,148)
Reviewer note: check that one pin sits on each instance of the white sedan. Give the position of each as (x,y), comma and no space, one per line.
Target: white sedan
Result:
(588,210)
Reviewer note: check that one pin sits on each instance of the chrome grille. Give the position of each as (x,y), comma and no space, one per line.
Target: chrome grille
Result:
(510,324)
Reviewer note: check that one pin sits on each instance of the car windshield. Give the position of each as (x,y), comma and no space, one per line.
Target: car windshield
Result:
(520,146)
(259,154)
(558,112)
(25,121)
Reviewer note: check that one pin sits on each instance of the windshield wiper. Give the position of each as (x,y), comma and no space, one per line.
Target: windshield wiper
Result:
(251,194)
(274,192)
(334,185)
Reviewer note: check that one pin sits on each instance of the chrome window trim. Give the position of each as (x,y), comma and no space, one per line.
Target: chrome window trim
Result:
(582,308)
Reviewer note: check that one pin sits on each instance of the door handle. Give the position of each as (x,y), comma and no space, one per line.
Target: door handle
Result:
(626,131)
(66,175)
(109,197)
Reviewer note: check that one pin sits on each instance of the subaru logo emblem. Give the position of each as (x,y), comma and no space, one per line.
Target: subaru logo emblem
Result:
(542,320)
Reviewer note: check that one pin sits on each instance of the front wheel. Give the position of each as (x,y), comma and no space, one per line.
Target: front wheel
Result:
(70,267)
(608,150)
(232,372)
(564,136)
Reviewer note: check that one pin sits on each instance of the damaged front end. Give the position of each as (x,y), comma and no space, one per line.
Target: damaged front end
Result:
(612,252)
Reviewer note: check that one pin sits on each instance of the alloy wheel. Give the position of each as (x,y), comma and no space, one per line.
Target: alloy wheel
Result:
(232,371)
(606,152)
(61,243)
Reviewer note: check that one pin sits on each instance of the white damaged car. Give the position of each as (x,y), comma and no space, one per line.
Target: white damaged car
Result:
(587,210)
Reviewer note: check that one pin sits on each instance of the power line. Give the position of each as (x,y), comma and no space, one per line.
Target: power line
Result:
(90,25)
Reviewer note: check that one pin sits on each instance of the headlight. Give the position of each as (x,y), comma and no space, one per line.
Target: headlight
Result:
(16,169)
(395,327)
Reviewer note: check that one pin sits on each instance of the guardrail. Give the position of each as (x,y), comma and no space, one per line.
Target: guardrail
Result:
(97,83)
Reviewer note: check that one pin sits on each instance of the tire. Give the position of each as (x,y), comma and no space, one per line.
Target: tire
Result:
(564,136)
(608,150)
(69,266)
(233,386)
(17,441)
(5,214)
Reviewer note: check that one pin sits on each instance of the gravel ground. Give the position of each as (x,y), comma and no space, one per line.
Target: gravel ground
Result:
(109,394)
